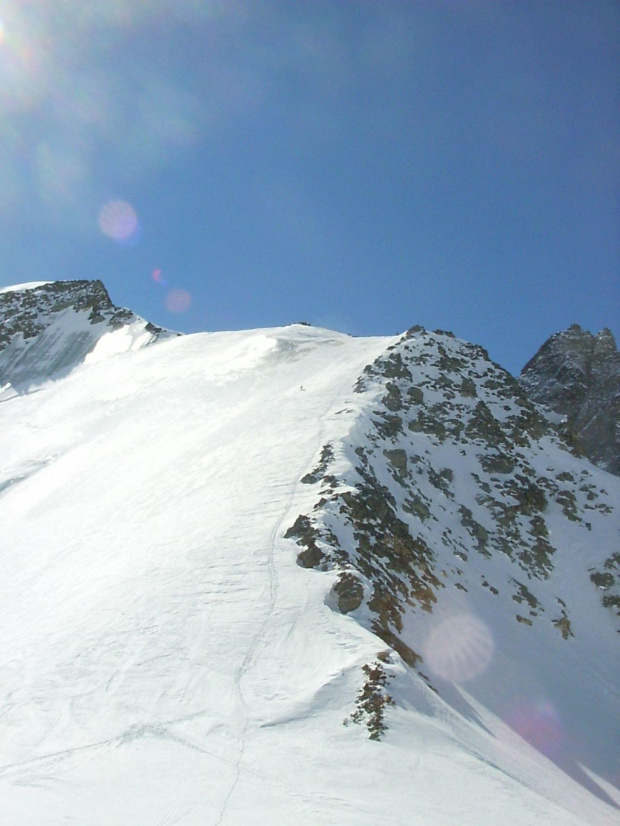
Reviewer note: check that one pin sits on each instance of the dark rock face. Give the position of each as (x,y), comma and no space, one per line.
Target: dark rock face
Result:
(49,329)
(577,375)
(350,592)
(373,698)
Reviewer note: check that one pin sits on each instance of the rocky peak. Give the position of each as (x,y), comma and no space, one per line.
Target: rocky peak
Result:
(48,329)
(577,375)
(605,342)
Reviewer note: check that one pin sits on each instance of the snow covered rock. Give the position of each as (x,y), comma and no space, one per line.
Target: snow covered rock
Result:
(453,489)
(577,374)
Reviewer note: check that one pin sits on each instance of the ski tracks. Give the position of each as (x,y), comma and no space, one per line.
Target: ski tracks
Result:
(172,816)
(259,640)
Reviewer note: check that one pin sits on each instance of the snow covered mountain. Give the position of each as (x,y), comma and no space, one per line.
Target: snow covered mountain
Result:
(291,576)
(577,375)
(47,329)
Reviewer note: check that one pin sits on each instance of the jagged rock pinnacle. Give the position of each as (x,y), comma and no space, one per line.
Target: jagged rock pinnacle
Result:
(577,374)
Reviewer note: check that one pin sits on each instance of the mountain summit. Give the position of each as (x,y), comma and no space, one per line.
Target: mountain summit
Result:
(292,576)
(577,374)
(48,328)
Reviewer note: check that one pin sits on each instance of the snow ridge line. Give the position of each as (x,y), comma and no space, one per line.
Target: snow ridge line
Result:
(60,754)
(259,637)
(135,732)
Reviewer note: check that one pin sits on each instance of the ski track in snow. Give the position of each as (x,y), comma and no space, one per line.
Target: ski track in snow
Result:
(259,640)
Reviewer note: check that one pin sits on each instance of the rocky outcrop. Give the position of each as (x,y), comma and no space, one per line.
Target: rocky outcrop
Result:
(577,375)
(453,479)
(48,329)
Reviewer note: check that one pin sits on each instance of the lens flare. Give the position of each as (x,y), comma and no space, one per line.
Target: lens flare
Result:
(178,301)
(118,220)
(539,723)
(459,648)
(61,79)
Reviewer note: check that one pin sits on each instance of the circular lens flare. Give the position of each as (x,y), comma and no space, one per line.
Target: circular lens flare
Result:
(118,220)
(539,723)
(178,301)
(459,648)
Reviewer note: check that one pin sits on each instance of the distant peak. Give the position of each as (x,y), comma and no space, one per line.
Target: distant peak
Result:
(576,374)
(48,328)
(606,338)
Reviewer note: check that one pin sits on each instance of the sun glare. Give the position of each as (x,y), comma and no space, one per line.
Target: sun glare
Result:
(459,648)
(178,301)
(65,99)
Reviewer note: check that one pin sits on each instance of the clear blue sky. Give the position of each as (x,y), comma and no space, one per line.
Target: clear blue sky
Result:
(364,165)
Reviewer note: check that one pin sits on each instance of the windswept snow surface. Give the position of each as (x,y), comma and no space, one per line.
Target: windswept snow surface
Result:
(30,285)
(163,658)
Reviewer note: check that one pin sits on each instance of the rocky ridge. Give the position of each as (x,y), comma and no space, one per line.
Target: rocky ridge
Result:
(577,375)
(48,329)
(455,481)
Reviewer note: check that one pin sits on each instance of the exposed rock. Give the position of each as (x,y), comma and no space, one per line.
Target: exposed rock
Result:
(350,592)
(523,594)
(372,700)
(327,455)
(398,459)
(577,375)
(305,534)
(497,462)
(563,625)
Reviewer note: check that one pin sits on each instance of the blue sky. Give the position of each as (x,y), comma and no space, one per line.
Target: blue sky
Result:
(364,165)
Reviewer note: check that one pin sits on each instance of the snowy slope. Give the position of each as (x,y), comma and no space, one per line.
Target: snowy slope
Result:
(166,660)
